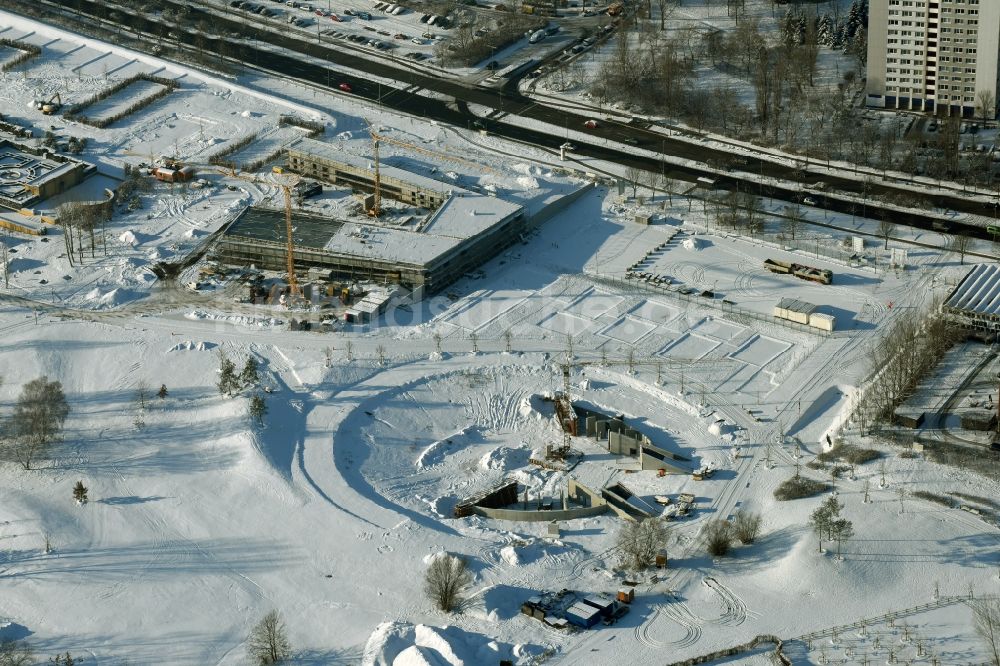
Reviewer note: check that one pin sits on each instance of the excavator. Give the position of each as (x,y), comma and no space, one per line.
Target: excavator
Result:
(50,107)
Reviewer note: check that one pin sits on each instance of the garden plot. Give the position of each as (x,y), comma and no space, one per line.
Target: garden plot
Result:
(629,329)
(565,323)
(8,56)
(119,102)
(655,311)
(719,329)
(266,146)
(103,64)
(690,346)
(761,350)
(593,304)
(485,308)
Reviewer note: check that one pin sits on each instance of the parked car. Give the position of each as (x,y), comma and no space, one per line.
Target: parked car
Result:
(334,17)
(425,18)
(364,16)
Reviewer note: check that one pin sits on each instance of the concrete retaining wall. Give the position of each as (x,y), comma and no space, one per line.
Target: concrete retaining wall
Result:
(537,516)
(558,206)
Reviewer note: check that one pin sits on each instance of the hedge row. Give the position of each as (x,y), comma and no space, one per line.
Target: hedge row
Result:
(219,158)
(169,85)
(27,50)
(313,126)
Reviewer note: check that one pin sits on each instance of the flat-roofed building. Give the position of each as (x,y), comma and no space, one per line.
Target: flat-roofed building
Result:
(939,56)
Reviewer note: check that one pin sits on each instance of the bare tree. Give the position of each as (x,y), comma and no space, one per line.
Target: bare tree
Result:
(638,541)
(446,577)
(141,393)
(16,653)
(268,641)
(987,623)
(633,176)
(885,230)
(37,421)
(960,246)
(986,105)
(794,217)
(746,526)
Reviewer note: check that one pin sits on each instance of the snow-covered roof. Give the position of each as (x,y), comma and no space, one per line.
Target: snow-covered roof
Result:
(978,292)
(795,305)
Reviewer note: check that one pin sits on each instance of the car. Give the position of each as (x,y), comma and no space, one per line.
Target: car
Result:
(320,12)
(399,10)
(399,35)
(334,17)
(424,18)
(809,201)
(348,12)
(234,3)
(428,35)
(346,87)
(364,16)
(307,7)
(590,124)
(417,41)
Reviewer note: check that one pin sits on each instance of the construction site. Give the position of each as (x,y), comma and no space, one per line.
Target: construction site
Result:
(430,234)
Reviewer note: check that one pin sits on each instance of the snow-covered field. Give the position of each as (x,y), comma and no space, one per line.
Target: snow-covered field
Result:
(200,522)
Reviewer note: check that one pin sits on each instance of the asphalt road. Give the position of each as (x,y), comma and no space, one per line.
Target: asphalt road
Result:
(409,96)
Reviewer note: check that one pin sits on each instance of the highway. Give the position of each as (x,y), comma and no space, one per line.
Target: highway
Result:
(410,96)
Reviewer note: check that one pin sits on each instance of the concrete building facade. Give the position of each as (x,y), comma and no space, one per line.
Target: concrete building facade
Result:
(938,56)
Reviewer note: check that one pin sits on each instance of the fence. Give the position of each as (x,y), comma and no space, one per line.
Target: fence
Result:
(738,649)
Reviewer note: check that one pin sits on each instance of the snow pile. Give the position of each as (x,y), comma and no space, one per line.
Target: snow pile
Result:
(527,182)
(234,319)
(128,238)
(110,299)
(191,345)
(691,244)
(405,644)
(510,556)
(434,453)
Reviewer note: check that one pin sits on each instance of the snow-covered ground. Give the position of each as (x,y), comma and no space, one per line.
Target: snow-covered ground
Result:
(201,522)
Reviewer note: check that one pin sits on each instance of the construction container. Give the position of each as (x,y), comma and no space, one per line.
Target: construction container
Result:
(822,321)
(794,310)
(605,604)
(626,595)
(661,559)
(583,615)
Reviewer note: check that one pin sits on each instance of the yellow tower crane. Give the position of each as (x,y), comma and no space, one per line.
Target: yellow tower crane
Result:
(286,182)
(377,138)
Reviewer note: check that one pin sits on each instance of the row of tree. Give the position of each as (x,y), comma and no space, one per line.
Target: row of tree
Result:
(910,350)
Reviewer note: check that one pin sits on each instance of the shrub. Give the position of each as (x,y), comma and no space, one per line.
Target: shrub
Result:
(746,526)
(934,497)
(798,487)
(718,538)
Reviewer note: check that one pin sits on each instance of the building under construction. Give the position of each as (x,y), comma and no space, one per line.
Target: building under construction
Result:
(459,231)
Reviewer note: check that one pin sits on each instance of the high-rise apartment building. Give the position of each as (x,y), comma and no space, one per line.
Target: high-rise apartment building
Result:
(933,55)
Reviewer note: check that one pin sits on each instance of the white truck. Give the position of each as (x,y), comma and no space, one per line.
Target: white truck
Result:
(536,37)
